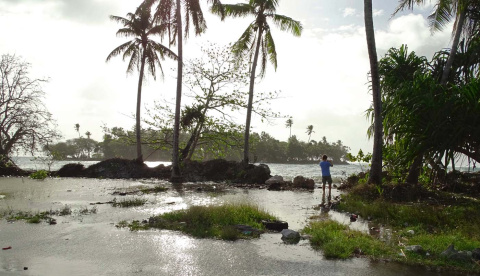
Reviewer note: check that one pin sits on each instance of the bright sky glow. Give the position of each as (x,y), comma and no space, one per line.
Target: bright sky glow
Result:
(322,74)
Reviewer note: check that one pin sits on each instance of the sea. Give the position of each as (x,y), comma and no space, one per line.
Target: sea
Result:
(287,171)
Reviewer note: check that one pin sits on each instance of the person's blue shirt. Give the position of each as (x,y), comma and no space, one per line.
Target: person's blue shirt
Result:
(325,165)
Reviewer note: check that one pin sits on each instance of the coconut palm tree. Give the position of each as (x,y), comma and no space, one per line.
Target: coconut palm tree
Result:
(257,40)
(376,169)
(464,12)
(141,50)
(289,124)
(309,132)
(77,129)
(169,12)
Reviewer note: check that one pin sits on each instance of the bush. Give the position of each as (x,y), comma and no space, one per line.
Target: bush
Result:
(41,175)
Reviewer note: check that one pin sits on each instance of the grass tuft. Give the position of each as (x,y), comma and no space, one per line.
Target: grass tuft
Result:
(129,202)
(214,221)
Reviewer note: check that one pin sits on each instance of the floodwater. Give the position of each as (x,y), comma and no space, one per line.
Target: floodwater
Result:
(91,244)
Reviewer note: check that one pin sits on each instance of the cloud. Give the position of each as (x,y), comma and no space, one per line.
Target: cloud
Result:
(349,12)
(82,11)
(377,12)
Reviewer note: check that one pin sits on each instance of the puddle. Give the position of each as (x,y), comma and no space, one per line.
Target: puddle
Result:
(90,244)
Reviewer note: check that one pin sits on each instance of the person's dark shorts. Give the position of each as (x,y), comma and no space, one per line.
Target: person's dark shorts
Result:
(326,179)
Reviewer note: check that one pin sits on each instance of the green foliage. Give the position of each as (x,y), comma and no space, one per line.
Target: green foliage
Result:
(360,157)
(213,221)
(40,175)
(422,117)
(337,241)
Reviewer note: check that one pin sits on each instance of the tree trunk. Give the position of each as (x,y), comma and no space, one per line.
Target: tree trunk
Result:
(453,51)
(137,116)
(250,99)
(176,174)
(414,171)
(376,169)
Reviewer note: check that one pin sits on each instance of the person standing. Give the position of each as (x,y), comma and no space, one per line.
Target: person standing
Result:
(326,177)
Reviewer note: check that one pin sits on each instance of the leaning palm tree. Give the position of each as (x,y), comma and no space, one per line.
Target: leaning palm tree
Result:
(376,168)
(309,132)
(289,124)
(141,50)
(257,40)
(464,12)
(169,12)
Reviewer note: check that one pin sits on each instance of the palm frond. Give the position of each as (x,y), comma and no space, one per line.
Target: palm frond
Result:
(238,10)
(164,51)
(441,15)
(120,20)
(286,23)
(407,4)
(118,50)
(270,48)
(127,32)
(133,64)
(193,13)
(245,41)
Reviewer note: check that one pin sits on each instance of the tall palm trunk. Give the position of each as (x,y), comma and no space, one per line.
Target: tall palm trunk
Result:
(250,99)
(376,169)
(137,116)
(453,51)
(176,175)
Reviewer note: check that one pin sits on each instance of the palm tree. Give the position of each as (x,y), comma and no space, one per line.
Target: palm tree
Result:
(88,133)
(169,12)
(141,50)
(257,40)
(77,129)
(462,10)
(309,132)
(289,124)
(376,169)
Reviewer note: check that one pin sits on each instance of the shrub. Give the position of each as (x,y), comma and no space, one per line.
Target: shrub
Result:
(41,174)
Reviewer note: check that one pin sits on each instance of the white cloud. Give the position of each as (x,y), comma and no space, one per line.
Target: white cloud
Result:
(349,12)
(377,12)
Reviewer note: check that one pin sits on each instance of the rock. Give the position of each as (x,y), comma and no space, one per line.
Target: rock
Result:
(304,183)
(275,225)
(289,234)
(353,217)
(415,248)
(411,232)
(453,254)
(275,179)
(476,254)
(449,251)
(276,187)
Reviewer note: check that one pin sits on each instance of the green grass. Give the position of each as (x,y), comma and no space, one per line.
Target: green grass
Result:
(38,217)
(339,242)
(129,202)
(463,218)
(213,221)
(154,190)
(437,222)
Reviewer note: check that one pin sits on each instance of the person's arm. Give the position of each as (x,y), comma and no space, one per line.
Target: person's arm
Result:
(331,163)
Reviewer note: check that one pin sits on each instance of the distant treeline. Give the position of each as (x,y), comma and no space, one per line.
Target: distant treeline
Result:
(118,142)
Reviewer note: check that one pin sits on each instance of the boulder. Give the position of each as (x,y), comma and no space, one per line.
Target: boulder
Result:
(71,170)
(275,179)
(476,254)
(275,225)
(415,248)
(452,254)
(304,183)
(288,234)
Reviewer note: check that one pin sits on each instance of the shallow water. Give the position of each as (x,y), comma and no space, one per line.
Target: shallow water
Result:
(92,245)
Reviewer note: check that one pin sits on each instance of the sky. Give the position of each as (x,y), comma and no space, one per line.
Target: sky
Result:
(322,75)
